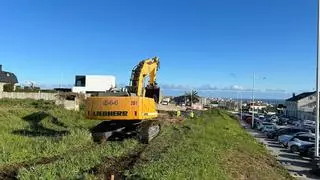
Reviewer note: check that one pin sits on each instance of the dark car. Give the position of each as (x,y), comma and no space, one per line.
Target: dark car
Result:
(288,131)
(311,128)
(307,150)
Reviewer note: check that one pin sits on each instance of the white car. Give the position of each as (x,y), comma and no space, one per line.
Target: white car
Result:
(309,123)
(269,128)
(297,141)
(284,139)
(165,103)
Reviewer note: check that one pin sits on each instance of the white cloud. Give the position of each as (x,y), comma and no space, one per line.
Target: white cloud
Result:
(207,87)
(174,87)
(275,90)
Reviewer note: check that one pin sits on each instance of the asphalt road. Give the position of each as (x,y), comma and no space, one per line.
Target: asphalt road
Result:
(297,166)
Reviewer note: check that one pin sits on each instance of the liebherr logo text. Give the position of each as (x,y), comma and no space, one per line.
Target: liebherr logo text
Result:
(110,113)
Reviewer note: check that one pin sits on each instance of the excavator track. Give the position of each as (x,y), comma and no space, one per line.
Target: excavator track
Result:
(148,130)
(117,130)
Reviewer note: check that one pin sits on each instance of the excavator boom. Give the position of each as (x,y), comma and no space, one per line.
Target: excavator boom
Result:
(148,67)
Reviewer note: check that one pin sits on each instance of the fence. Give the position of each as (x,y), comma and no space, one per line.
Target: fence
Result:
(26,95)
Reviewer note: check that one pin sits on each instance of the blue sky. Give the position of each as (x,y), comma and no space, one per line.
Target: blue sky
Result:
(207,45)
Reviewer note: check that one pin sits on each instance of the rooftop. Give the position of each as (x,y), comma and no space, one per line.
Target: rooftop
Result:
(7,77)
(300,96)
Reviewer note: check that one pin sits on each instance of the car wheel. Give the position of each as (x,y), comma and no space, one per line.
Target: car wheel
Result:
(310,153)
(303,153)
(294,148)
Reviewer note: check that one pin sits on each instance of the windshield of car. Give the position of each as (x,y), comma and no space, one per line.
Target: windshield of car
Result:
(307,138)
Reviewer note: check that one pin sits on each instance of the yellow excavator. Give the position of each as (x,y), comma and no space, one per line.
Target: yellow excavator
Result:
(129,111)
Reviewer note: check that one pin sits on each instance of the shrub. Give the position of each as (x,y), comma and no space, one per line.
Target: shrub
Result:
(8,87)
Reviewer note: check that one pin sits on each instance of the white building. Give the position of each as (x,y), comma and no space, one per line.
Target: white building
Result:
(301,106)
(93,83)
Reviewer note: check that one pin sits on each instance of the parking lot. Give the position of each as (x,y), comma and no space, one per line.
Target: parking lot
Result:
(297,165)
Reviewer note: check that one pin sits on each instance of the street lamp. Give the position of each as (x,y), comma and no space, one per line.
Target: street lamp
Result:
(316,160)
(317,87)
(253,84)
(240,106)
(252,121)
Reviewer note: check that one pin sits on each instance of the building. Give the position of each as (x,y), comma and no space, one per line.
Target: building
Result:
(301,106)
(257,106)
(93,83)
(203,100)
(7,78)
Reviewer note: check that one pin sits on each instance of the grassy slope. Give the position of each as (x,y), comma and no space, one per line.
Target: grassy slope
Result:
(71,154)
(212,146)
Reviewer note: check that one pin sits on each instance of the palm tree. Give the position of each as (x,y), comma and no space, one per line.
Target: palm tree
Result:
(194,95)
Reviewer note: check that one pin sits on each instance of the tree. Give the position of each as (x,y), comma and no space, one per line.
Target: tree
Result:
(194,95)
(8,87)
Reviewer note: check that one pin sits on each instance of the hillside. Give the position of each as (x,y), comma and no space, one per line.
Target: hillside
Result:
(212,146)
(41,140)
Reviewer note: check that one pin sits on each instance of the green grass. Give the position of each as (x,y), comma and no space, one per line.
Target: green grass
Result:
(25,144)
(42,141)
(77,165)
(212,146)
(18,143)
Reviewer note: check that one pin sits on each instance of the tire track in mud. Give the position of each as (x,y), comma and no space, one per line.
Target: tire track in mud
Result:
(10,172)
(117,165)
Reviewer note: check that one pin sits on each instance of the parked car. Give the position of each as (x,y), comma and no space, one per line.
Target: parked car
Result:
(288,131)
(296,123)
(297,141)
(309,122)
(312,128)
(273,134)
(283,121)
(261,125)
(307,150)
(269,128)
(285,138)
(164,102)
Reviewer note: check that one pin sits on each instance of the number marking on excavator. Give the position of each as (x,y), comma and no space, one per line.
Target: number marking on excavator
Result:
(110,102)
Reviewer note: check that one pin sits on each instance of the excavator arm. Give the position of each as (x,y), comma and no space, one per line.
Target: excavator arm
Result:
(148,67)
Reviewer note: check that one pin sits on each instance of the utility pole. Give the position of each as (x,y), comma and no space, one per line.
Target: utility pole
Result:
(316,152)
(253,100)
(240,106)
(316,159)
(191,98)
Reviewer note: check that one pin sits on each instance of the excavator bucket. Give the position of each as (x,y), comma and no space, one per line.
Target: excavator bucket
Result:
(153,92)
